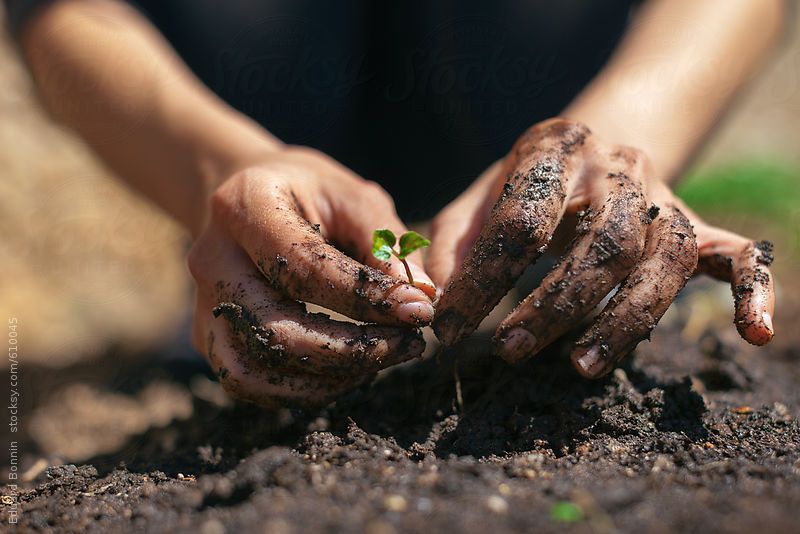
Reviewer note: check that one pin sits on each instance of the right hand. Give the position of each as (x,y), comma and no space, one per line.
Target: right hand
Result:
(269,243)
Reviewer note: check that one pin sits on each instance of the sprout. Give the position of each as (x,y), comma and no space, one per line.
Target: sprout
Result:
(566,512)
(383,242)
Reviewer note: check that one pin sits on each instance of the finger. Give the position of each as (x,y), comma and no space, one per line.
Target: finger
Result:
(282,335)
(246,380)
(278,333)
(519,226)
(745,264)
(610,240)
(457,226)
(669,260)
(266,220)
(357,219)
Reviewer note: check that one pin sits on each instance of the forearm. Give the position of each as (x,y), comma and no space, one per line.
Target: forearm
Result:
(102,70)
(674,74)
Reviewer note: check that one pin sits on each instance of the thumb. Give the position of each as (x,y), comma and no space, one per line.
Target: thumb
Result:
(455,229)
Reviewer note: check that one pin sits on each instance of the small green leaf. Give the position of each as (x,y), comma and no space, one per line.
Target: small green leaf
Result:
(383,237)
(383,253)
(566,512)
(411,241)
(382,243)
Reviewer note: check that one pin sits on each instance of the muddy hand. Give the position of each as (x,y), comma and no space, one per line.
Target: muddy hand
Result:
(269,245)
(631,232)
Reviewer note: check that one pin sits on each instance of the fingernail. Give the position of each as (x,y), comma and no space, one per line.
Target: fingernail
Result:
(417,313)
(589,360)
(767,318)
(516,344)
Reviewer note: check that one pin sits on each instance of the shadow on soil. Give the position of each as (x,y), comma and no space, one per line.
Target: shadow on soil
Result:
(462,402)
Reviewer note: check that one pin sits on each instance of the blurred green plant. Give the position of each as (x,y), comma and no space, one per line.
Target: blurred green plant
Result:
(566,512)
(767,189)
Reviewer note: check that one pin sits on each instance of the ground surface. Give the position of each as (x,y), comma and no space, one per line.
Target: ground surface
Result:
(698,436)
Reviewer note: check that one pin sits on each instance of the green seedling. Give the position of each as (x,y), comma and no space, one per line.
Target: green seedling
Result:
(383,242)
(566,512)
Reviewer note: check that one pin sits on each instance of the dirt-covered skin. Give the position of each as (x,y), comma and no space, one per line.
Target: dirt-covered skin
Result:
(279,333)
(746,267)
(297,227)
(540,169)
(689,436)
(608,245)
(267,349)
(632,232)
(670,260)
(330,348)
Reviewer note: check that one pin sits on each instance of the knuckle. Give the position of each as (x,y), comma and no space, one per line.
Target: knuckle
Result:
(220,201)
(632,153)
(299,150)
(196,262)
(570,131)
(374,192)
(563,126)
(229,199)
(304,152)
(682,243)
(520,227)
(574,127)
(632,250)
(618,243)
(632,157)
(627,236)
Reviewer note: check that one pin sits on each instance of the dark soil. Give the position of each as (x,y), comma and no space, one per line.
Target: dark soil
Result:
(688,436)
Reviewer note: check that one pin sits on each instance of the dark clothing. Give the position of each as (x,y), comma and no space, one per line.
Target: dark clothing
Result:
(418,96)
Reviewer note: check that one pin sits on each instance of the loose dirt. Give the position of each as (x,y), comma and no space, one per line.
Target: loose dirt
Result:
(697,436)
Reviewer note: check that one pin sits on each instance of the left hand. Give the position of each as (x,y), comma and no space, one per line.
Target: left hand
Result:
(631,231)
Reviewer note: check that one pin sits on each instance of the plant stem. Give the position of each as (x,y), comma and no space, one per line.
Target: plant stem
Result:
(408,272)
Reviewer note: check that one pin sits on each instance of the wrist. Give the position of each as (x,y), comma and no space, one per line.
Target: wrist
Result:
(606,120)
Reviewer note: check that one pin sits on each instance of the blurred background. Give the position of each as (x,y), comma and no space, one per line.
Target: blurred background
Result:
(96,276)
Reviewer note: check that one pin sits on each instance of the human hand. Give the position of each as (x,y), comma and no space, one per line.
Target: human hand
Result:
(631,231)
(269,243)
